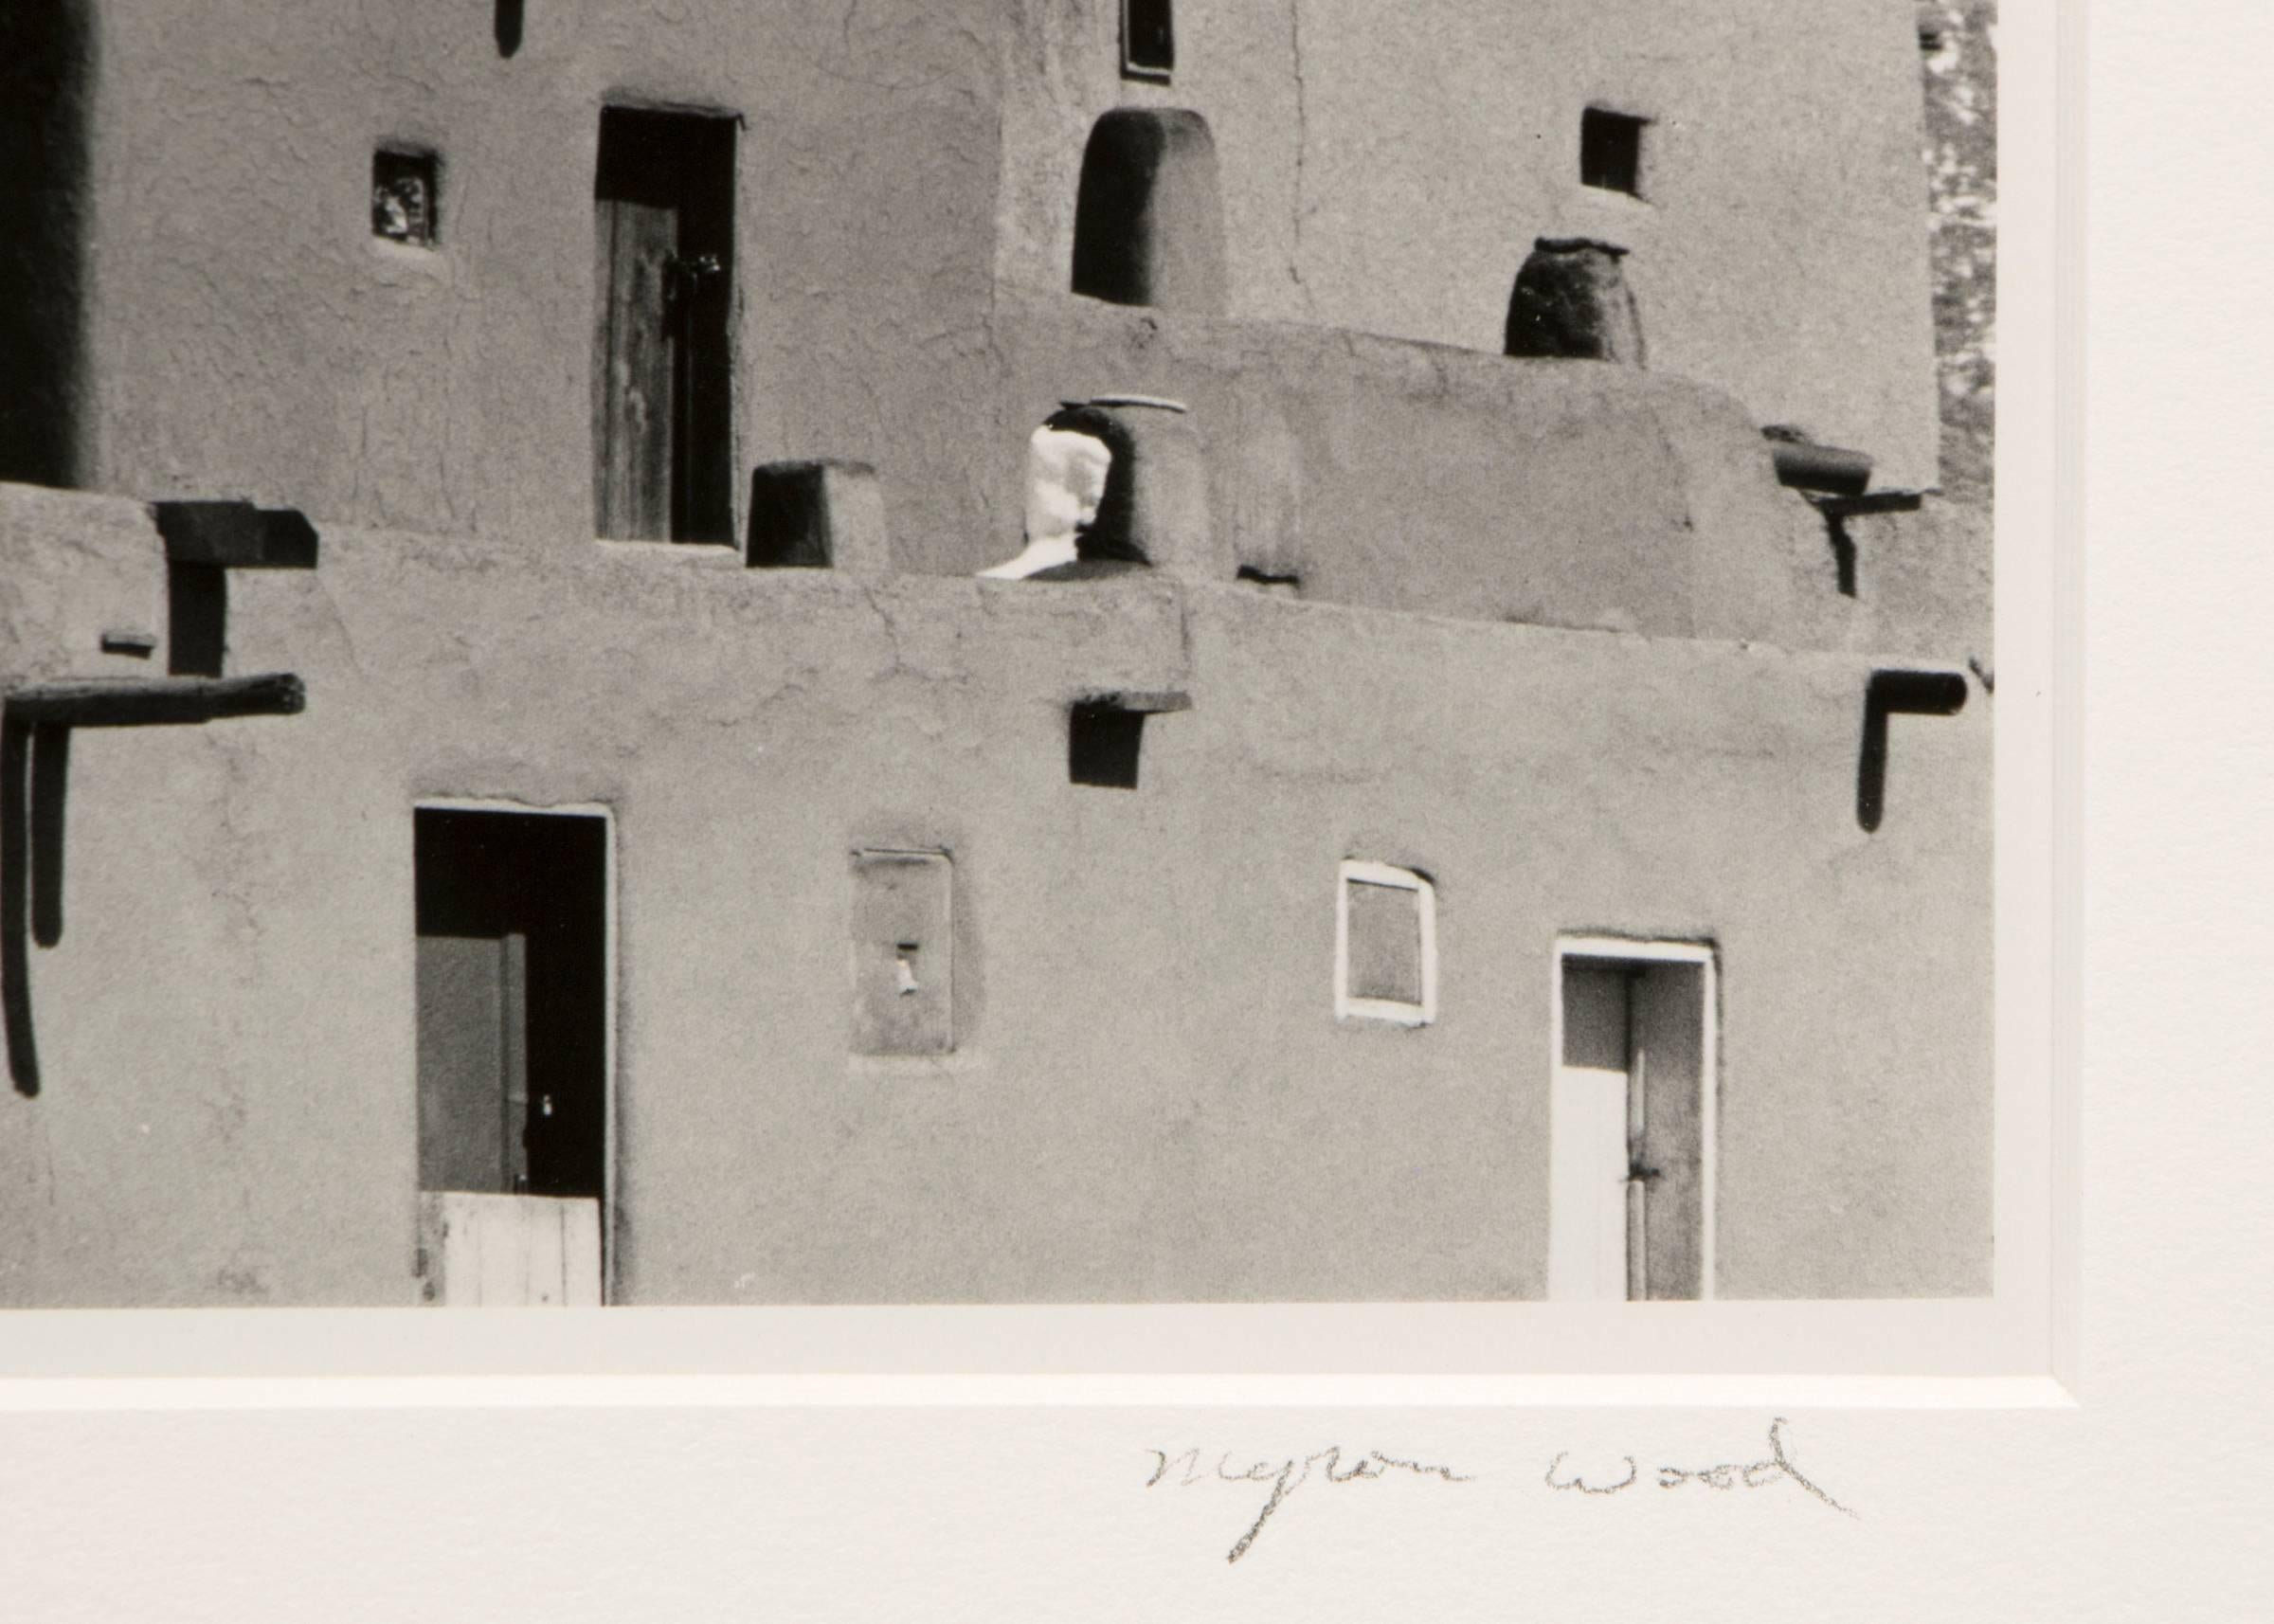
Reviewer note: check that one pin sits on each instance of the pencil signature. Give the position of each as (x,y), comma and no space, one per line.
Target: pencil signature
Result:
(1289,1476)
(1729,1474)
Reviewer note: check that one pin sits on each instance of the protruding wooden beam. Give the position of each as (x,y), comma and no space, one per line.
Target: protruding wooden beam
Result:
(236,535)
(1156,703)
(1808,466)
(156,701)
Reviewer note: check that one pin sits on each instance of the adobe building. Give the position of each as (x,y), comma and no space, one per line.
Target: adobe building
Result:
(515,788)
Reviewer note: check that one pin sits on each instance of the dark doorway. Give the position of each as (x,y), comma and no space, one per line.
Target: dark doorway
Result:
(513,1002)
(46,72)
(662,384)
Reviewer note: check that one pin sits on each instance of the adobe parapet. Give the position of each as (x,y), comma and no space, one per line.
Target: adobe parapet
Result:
(1397,474)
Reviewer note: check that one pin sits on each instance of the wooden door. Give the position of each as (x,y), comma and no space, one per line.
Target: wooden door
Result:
(663,254)
(632,408)
(473,1063)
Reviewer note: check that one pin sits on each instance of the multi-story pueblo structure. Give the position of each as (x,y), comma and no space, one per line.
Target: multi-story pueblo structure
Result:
(983,650)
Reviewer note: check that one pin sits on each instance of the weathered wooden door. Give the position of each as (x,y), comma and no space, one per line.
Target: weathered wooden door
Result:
(662,279)
(632,360)
(474,1062)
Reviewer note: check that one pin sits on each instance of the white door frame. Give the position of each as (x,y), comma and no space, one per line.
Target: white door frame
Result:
(1567,1206)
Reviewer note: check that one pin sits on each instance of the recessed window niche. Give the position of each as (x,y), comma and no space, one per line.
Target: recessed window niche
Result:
(403,187)
(903,953)
(1148,221)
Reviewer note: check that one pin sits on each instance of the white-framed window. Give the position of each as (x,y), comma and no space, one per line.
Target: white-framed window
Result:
(1385,945)
(1630,1168)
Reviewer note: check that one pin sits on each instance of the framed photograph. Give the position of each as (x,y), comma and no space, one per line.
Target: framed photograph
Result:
(1245,805)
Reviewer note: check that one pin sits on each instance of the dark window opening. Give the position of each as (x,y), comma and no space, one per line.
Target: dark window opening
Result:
(511,1001)
(816,516)
(664,207)
(506,27)
(1896,693)
(1148,40)
(404,198)
(1610,150)
(1103,740)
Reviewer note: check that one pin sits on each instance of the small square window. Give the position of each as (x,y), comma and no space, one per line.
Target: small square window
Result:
(1610,150)
(1385,947)
(1148,40)
(403,197)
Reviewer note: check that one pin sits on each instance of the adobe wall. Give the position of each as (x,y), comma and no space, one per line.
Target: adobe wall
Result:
(1151,1098)
(241,332)
(1387,168)
(247,335)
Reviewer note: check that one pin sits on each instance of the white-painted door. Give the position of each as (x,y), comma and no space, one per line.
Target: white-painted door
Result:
(1589,1157)
(1630,1157)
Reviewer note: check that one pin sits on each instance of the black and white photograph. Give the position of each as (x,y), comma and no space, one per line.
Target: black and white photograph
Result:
(997,652)
(1134,810)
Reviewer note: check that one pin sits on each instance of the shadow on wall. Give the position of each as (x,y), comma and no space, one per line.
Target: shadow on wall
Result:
(34,770)
(46,51)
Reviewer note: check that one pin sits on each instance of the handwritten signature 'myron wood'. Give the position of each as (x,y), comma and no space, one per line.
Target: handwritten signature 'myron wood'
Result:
(1287,1476)
(1730,1474)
